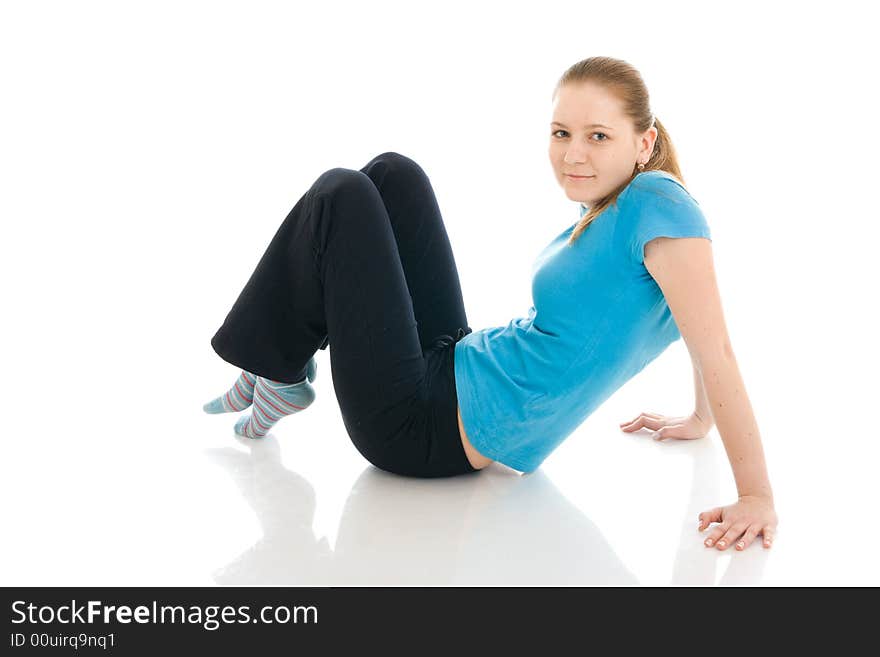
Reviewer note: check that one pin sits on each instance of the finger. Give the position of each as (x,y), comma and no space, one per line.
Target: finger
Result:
(632,425)
(647,422)
(641,416)
(769,536)
(715,534)
(731,535)
(644,414)
(669,431)
(706,518)
(747,538)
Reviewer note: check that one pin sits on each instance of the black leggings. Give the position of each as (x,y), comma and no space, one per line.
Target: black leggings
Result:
(363,264)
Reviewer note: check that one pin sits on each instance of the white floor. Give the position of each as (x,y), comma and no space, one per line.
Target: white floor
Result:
(137,486)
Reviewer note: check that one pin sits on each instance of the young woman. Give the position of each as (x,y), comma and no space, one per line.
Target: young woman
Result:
(363,263)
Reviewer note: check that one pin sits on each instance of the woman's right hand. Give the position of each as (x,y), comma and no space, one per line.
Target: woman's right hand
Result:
(685,427)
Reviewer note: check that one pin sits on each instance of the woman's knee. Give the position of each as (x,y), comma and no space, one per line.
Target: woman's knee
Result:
(341,180)
(344,200)
(395,159)
(400,167)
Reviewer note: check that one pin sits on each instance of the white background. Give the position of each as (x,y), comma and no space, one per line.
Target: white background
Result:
(149,151)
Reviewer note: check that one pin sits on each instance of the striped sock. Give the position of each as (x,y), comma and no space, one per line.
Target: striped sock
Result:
(237,398)
(273,401)
(241,394)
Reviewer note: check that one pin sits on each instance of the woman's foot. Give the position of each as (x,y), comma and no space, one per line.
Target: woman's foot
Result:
(237,398)
(273,401)
(241,394)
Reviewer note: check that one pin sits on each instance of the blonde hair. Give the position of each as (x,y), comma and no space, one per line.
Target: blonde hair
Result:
(625,82)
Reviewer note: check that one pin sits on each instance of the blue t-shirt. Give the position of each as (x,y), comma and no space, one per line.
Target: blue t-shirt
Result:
(598,317)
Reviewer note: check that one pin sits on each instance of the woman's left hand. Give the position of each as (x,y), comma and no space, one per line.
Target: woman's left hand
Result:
(740,522)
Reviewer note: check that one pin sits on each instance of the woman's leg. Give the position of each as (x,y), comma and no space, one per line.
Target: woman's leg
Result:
(334,272)
(423,244)
(277,322)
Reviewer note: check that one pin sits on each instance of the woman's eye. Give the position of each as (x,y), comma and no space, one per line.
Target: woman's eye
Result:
(605,137)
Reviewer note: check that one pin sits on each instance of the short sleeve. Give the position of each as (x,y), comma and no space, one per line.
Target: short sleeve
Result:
(661,207)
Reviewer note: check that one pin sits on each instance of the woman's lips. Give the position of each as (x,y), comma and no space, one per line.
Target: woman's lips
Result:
(580,177)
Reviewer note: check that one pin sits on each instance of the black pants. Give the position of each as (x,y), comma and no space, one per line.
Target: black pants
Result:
(363,264)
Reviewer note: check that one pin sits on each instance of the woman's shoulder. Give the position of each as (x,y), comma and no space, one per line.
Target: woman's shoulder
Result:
(657,182)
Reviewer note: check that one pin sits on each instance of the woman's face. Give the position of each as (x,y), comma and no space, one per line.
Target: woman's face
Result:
(590,136)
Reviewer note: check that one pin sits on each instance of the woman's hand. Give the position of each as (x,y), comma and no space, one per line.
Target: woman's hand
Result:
(740,522)
(686,427)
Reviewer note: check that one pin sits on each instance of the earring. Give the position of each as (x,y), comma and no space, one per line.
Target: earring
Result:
(641,166)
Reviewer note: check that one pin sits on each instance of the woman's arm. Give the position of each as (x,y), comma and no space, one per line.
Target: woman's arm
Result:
(736,422)
(701,403)
(684,270)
